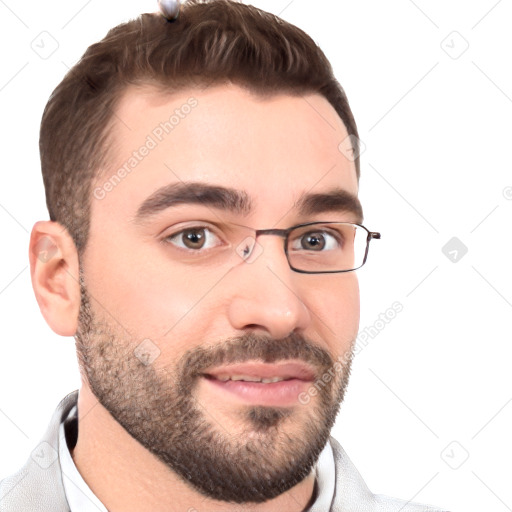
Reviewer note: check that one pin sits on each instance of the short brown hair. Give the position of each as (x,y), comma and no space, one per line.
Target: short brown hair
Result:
(211,42)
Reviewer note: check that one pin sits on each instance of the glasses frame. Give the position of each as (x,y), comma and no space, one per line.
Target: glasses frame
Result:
(285,233)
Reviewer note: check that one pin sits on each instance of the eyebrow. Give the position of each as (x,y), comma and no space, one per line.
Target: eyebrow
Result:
(238,201)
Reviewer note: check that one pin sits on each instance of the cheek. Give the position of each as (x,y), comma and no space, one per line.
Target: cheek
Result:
(337,309)
(352,302)
(142,291)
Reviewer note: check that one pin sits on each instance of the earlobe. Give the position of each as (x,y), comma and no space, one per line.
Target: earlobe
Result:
(54,270)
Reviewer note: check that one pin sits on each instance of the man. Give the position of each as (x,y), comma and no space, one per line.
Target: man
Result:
(201,175)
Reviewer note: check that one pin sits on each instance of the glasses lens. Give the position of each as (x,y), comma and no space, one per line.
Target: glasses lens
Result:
(324,247)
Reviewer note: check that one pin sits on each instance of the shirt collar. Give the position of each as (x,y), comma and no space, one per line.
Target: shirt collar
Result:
(78,493)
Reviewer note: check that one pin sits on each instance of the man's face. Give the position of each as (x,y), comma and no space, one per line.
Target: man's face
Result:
(158,323)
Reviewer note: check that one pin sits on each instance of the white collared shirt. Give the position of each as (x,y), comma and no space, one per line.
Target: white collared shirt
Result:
(78,493)
(325,479)
(82,499)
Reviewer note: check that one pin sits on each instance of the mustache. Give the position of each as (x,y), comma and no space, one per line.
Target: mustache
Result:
(251,346)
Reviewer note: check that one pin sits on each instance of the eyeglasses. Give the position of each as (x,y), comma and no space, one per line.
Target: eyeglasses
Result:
(311,248)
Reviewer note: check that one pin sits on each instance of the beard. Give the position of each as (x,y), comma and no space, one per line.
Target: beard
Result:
(275,448)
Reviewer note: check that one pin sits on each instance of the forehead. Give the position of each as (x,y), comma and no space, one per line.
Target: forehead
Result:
(275,148)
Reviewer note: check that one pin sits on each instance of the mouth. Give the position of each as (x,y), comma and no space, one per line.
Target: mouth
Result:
(262,383)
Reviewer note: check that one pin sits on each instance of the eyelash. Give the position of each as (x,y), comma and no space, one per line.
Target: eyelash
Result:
(195,227)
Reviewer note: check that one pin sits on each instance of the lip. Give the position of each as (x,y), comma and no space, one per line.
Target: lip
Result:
(286,370)
(283,393)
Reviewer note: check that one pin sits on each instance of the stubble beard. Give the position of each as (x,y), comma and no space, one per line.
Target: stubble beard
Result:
(275,447)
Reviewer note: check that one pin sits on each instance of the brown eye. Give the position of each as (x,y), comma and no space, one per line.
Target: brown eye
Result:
(194,238)
(313,241)
(317,241)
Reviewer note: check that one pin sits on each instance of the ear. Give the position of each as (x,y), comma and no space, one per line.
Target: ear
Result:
(54,270)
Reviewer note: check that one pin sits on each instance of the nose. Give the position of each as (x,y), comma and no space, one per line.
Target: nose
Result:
(267,295)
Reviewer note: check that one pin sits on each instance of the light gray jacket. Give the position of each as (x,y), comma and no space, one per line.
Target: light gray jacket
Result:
(38,487)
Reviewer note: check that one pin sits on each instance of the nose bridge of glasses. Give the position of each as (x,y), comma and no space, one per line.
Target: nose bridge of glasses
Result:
(272,231)
(246,243)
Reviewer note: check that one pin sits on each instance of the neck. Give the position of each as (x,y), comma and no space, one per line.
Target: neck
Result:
(106,456)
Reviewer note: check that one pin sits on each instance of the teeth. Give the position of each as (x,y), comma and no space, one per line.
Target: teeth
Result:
(245,377)
(272,379)
(249,378)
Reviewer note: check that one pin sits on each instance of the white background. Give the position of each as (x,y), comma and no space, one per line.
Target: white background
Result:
(434,385)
